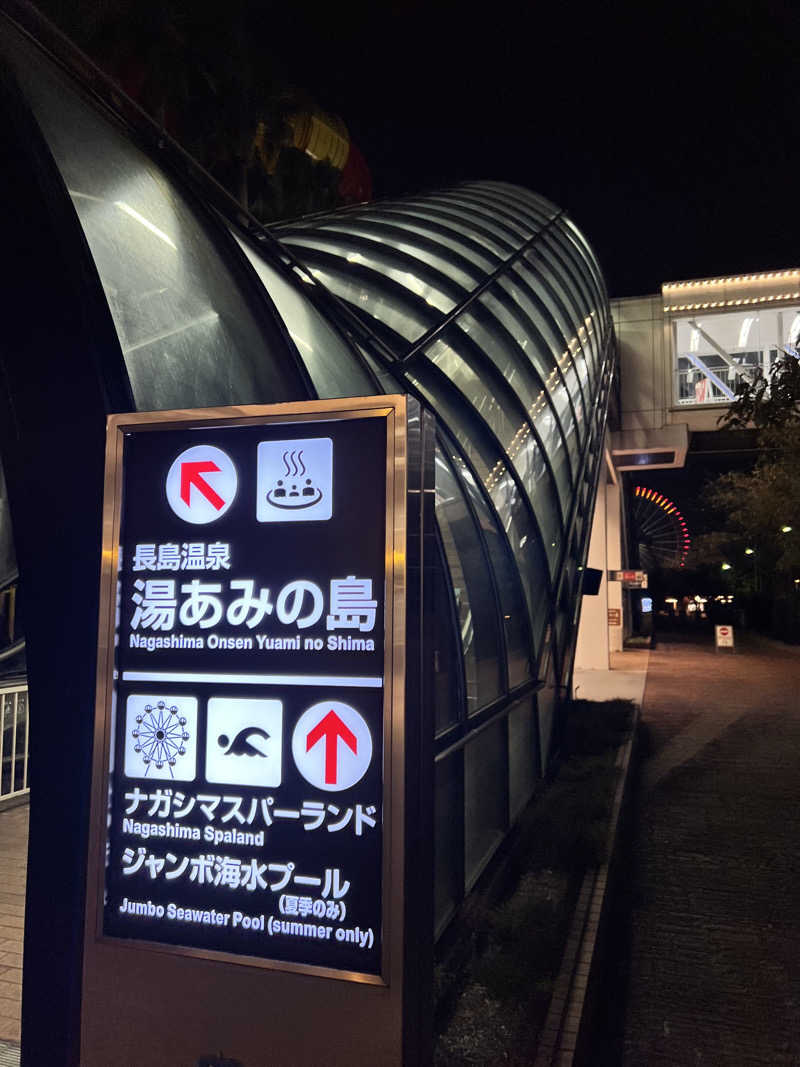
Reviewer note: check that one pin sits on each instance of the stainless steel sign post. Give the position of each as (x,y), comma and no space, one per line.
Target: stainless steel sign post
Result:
(247,871)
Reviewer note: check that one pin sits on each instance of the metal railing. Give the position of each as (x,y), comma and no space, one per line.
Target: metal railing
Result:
(13,740)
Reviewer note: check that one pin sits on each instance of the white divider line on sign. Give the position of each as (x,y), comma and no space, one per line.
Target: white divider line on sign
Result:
(328,680)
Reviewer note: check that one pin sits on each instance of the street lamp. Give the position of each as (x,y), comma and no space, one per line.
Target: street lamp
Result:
(786,529)
(749,551)
(726,566)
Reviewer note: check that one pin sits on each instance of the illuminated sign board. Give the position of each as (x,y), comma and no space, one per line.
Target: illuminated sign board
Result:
(247,696)
(629,579)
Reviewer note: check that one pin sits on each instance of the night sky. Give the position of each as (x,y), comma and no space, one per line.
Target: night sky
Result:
(670,133)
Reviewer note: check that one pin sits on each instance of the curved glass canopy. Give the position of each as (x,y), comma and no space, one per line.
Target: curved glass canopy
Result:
(485,301)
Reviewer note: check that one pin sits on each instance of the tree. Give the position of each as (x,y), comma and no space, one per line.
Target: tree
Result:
(759,509)
(767,402)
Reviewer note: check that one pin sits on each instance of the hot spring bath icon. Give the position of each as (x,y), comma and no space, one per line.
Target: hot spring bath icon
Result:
(294,491)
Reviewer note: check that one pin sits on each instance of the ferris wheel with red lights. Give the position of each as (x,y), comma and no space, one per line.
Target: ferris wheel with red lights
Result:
(659,529)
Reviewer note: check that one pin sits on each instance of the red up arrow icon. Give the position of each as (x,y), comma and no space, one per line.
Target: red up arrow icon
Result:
(192,475)
(331,728)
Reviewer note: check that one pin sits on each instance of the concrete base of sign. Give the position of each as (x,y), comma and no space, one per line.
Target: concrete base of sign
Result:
(252,1015)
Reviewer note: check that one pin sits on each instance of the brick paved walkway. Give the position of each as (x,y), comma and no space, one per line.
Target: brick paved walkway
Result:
(715,924)
(13,862)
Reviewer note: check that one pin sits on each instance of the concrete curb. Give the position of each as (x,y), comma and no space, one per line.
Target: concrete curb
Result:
(567,1028)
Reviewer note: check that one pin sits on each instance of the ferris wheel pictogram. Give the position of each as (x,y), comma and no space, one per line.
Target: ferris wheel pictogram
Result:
(160,734)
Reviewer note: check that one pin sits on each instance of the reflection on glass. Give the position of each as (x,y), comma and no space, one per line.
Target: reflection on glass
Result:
(469,576)
(521,283)
(188,337)
(512,602)
(515,438)
(554,296)
(386,239)
(485,805)
(398,313)
(538,341)
(441,230)
(332,367)
(447,674)
(523,755)
(375,259)
(448,829)
(448,213)
(521,228)
(498,341)
(505,241)
(502,490)
(546,705)
(575,286)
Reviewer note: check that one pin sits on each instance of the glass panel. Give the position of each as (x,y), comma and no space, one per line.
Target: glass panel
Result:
(466,222)
(475,602)
(502,489)
(485,804)
(392,238)
(542,209)
(515,438)
(537,354)
(715,352)
(546,705)
(435,229)
(519,285)
(529,218)
(518,372)
(448,834)
(574,288)
(569,226)
(523,755)
(555,296)
(512,602)
(386,381)
(483,220)
(404,317)
(188,337)
(519,231)
(447,664)
(375,258)
(332,366)
(594,300)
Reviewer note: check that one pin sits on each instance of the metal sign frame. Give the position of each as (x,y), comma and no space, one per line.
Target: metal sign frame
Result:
(393,409)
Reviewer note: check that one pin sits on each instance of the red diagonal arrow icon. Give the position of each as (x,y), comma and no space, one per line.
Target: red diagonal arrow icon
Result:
(331,728)
(191,475)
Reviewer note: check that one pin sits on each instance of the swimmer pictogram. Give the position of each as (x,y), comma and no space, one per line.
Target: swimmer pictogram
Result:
(242,744)
(244,739)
